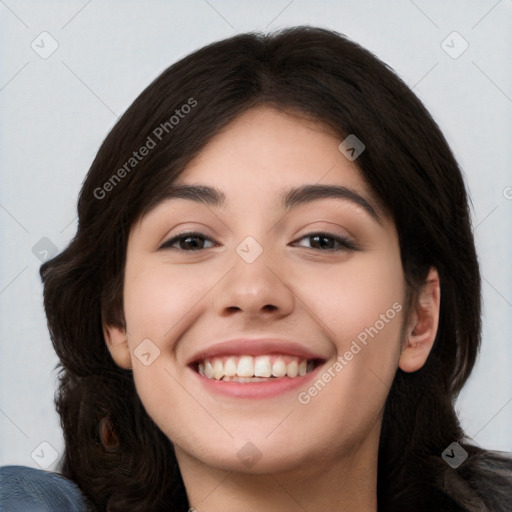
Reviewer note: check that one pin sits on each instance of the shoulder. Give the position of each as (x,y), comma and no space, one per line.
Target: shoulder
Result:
(26,489)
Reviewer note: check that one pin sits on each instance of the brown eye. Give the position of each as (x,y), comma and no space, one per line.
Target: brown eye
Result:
(327,242)
(187,242)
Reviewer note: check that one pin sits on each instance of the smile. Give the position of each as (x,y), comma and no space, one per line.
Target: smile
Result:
(246,368)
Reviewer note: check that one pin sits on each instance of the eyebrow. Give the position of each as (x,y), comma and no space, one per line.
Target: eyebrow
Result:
(290,198)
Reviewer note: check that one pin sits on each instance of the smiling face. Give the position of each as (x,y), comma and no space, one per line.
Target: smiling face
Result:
(306,288)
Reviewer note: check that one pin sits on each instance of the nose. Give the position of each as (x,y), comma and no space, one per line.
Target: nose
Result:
(257,289)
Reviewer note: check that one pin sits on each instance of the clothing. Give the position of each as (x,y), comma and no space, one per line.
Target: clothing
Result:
(25,489)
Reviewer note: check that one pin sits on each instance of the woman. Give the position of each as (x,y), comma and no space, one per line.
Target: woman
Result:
(273,297)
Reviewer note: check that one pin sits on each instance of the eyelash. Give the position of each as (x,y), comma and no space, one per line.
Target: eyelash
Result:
(346,244)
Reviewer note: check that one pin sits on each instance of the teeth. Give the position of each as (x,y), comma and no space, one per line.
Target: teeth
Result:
(244,379)
(208,369)
(292,369)
(230,367)
(262,367)
(279,368)
(245,366)
(254,369)
(218,370)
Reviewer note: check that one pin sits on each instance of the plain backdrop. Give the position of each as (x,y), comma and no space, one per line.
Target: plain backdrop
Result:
(56,108)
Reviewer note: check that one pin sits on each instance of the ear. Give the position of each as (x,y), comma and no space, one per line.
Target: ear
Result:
(117,343)
(422,325)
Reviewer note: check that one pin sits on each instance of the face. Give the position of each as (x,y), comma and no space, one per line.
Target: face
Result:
(305,293)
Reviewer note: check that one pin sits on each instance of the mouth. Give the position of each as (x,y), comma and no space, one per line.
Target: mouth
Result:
(255,368)
(261,368)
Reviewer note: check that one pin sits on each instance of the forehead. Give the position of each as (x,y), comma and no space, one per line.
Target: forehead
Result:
(271,160)
(271,153)
(267,149)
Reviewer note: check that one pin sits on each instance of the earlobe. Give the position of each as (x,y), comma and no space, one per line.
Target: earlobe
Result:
(423,326)
(117,344)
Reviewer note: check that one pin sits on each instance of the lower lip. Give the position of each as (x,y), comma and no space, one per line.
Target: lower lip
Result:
(262,389)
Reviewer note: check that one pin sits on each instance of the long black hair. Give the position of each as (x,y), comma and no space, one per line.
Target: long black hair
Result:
(113,450)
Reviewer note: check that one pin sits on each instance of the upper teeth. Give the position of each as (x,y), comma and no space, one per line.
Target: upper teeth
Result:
(249,366)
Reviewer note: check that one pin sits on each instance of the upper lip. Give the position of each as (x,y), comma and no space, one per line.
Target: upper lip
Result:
(254,347)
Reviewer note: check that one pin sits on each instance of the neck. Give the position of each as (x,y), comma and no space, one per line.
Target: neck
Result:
(345,484)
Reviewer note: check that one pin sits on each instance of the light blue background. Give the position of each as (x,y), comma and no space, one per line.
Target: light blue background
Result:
(56,112)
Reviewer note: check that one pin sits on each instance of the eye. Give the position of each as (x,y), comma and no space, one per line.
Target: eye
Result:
(327,242)
(191,241)
(323,242)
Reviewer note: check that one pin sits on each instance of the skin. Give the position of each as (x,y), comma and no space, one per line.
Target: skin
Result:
(314,456)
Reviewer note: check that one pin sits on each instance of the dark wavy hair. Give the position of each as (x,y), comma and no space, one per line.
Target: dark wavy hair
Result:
(113,450)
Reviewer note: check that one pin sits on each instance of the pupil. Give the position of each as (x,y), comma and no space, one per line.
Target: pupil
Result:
(191,245)
(322,239)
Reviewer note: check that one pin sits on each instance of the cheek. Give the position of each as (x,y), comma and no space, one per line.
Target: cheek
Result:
(360,304)
(351,297)
(156,299)
(159,303)
(361,309)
